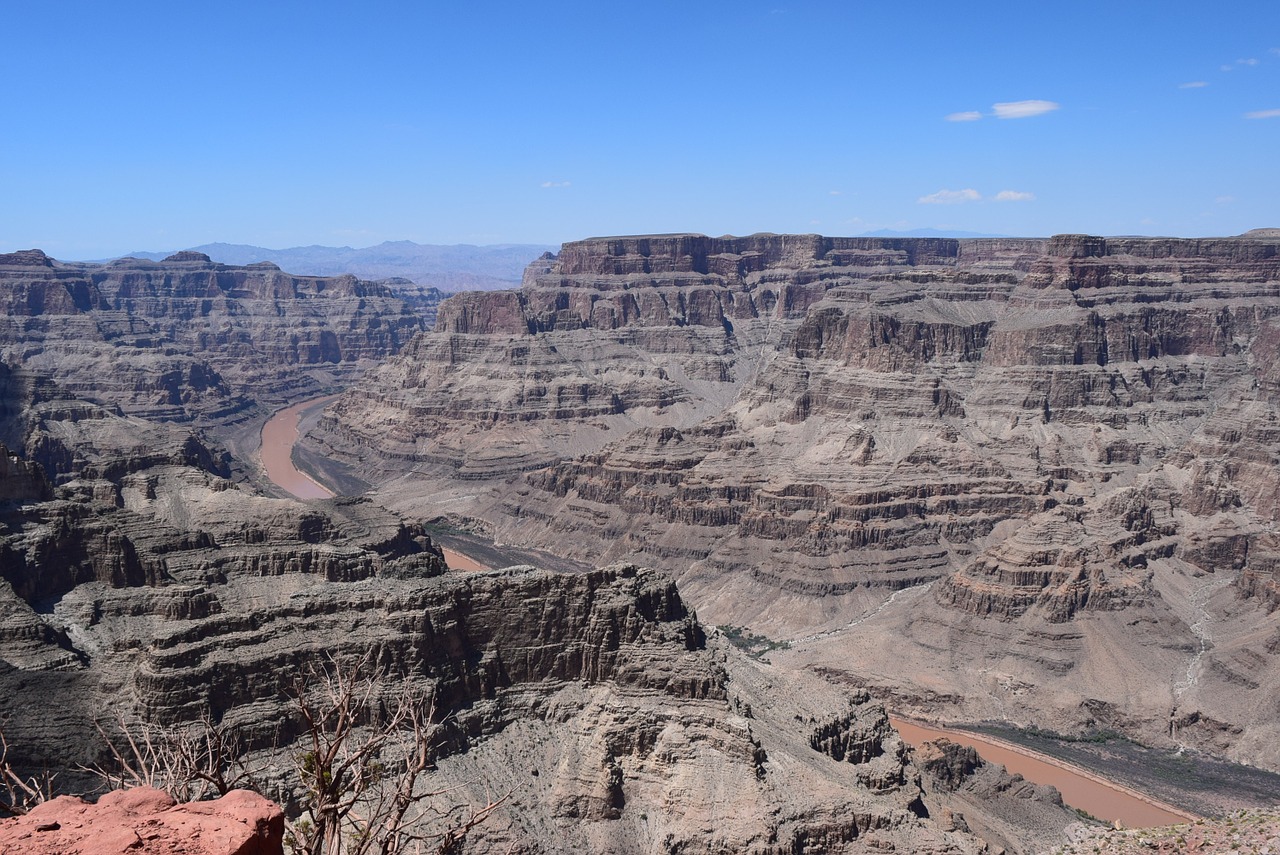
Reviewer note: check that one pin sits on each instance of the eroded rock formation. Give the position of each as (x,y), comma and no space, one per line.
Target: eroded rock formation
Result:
(166,593)
(187,339)
(1006,810)
(1045,469)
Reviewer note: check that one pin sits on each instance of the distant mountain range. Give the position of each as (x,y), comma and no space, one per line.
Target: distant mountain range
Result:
(456,267)
(448,267)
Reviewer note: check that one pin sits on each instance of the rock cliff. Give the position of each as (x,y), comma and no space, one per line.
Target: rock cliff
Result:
(1059,452)
(159,592)
(186,339)
(1006,810)
(595,698)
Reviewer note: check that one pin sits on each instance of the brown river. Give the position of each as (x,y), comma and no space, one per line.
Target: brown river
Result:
(280,434)
(1080,789)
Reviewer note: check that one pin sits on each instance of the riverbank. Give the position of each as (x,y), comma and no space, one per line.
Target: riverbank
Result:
(1189,780)
(468,552)
(279,457)
(279,435)
(1080,788)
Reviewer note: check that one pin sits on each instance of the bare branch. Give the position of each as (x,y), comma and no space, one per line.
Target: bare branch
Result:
(191,762)
(21,794)
(370,744)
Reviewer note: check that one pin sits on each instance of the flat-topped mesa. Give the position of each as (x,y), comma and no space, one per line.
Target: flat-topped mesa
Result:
(1246,248)
(193,275)
(1106,269)
(25,258)
(692,279)
(695,280)
(187,256)
(735,257)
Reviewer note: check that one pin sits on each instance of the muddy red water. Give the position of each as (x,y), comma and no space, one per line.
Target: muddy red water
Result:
(279,435)
(1080,789)
(457,561)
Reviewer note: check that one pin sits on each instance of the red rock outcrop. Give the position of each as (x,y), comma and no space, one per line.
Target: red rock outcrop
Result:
(146,821)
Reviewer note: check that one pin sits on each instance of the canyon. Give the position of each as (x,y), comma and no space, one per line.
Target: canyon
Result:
(1023,481)
(152,577)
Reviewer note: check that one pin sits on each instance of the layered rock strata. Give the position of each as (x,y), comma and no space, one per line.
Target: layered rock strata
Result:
(186,339)
(1037,443)
(594,698)
(1006,810)
(159,594)
(141,587)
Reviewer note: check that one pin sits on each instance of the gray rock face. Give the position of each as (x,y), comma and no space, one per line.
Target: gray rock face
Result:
(1005,810)
(185,339)
(137,580)
(1069,441)
(152,588)
(596,698)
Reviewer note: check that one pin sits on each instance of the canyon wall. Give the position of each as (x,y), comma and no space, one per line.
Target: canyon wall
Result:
(142,587)
(189,340)
(1060,453)
(595,699)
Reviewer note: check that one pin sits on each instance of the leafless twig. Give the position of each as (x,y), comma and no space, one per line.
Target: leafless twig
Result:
(368,747)
(21,793)
(191,762)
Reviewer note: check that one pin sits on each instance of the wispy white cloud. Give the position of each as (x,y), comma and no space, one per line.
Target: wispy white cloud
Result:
(1194,84)
(1014,196)
(1023,109)
(1250,62)
(1224,200)
(835,192)
(1263,114)
(966,116)
(547,184)
(951,197)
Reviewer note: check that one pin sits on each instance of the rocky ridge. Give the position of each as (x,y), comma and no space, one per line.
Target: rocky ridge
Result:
(1060,452)
(160,592)
(1003,809)
(189,340)
(401,263)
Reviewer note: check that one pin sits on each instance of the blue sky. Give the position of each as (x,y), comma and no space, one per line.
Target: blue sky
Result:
(134,125)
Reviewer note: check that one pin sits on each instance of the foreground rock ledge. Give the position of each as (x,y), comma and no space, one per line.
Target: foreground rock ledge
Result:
(145,821)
